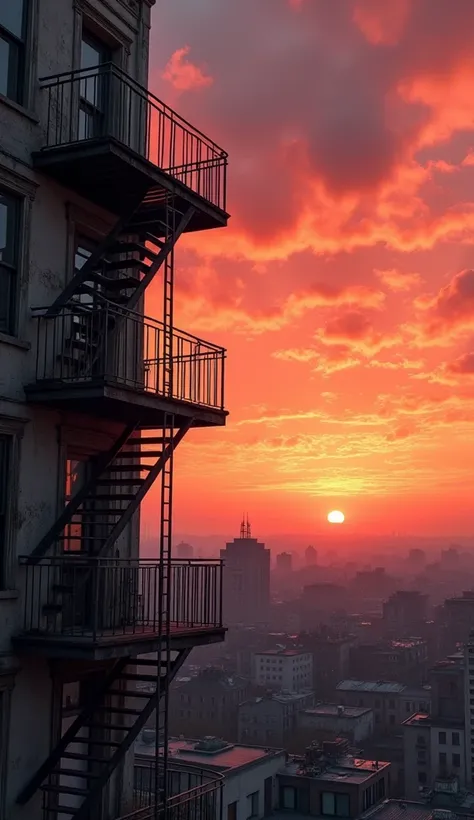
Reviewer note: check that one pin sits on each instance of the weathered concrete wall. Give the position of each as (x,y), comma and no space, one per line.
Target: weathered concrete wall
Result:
(50,215)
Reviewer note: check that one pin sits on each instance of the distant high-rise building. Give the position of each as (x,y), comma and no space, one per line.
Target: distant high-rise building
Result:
(405,612)
(284,562)
(246,584)
(184,550)
(310,556)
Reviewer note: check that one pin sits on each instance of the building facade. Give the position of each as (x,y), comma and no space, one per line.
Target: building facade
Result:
(288,669)
(469,707)
(98,181)
(387,699)
(207,704)
(273,720)
(356,723)
(433,749)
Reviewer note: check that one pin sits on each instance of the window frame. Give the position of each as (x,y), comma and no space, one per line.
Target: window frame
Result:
(12,269)
(20,45)
(26,103)
(253,799)
(11,429)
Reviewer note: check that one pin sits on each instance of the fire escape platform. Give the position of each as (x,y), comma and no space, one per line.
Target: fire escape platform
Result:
(115,177)
(108,645)
(107,399)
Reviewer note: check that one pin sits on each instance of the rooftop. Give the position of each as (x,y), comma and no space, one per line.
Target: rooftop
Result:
(379,686)
(420,720)
(333,710)
(209,752)
(347,769)
(411,810)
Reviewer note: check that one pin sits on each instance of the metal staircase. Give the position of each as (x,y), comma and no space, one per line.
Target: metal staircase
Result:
(96,516)
(126,261)
(76,772)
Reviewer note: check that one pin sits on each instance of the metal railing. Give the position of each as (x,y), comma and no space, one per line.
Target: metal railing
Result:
(194,793)
(102,597)
(106,343)
(104,101)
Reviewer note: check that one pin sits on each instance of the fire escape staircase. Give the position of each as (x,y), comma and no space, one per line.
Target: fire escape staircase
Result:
(99,512)
(101,735)
(126,261)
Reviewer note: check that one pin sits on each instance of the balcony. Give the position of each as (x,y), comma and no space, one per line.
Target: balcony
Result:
(113,141)
(116,363)
(194,794)
(93,608)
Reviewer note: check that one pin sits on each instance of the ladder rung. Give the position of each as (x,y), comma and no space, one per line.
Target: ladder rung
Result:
(81,756)
(76,772)
(61,789)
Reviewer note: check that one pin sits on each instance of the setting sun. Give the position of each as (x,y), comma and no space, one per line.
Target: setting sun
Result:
(336,517)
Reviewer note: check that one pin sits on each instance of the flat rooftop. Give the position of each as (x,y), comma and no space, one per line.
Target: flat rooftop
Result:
(376,686)
(228,756)
(411,810)
(284,653)
(421,719)
(346,770)
(333,710)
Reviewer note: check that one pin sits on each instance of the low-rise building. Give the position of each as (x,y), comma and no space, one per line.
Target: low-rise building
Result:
(327,783)
(401,660)
(387,699)
(289,669)
(356,723)
(207,703)
(249,773)
(272,720)
(433,748)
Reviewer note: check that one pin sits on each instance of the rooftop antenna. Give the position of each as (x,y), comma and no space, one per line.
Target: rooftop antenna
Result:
(248,529)
(242,527)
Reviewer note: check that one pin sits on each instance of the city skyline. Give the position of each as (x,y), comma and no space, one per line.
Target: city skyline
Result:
(343,287)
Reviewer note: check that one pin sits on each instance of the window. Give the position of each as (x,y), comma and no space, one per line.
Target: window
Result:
(391,720)
(442,758)
(232,811)
(455,738)
(442,738)
(252,804)
(334,805)
(288,797)
(5,458)
(391,704)
(421,757)
(93,89)
(422,778)
(9,257)
(12,49)
(456,761)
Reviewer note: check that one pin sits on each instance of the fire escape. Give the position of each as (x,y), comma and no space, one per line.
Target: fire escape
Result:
(98,353)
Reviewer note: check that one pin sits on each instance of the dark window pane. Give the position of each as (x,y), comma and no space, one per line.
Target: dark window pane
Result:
(8,229)
(5,443)
(12,16)
(10,85)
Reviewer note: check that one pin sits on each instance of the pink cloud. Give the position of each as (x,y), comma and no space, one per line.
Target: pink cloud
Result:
(183,74)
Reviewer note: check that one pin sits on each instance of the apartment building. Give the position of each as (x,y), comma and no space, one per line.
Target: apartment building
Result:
(247,775)
(390,701)
(98,181)
(289,669)
(433,749)
(469,707)
(273,720)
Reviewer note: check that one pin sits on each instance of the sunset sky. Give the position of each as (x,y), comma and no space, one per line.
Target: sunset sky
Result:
(343,287)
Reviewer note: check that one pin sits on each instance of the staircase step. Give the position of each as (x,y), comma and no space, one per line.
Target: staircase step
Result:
(118,284)
(82,756)
(132,247)
(148,440)
(120,482)
(119,710)
(131,693)
(150,237)
(136,676)
(125,264)
(93,742)
(138,454)
(76,773)
(98,511)
(61,789)
(115,497)
(126,468)
(119,728)
(57,809)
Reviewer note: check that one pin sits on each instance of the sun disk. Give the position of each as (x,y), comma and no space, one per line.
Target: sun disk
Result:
(336,517)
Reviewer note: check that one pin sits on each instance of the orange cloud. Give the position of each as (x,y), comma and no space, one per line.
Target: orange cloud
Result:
(450,313)
(381,23)
(397,280)
(463,365)
(183,74)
